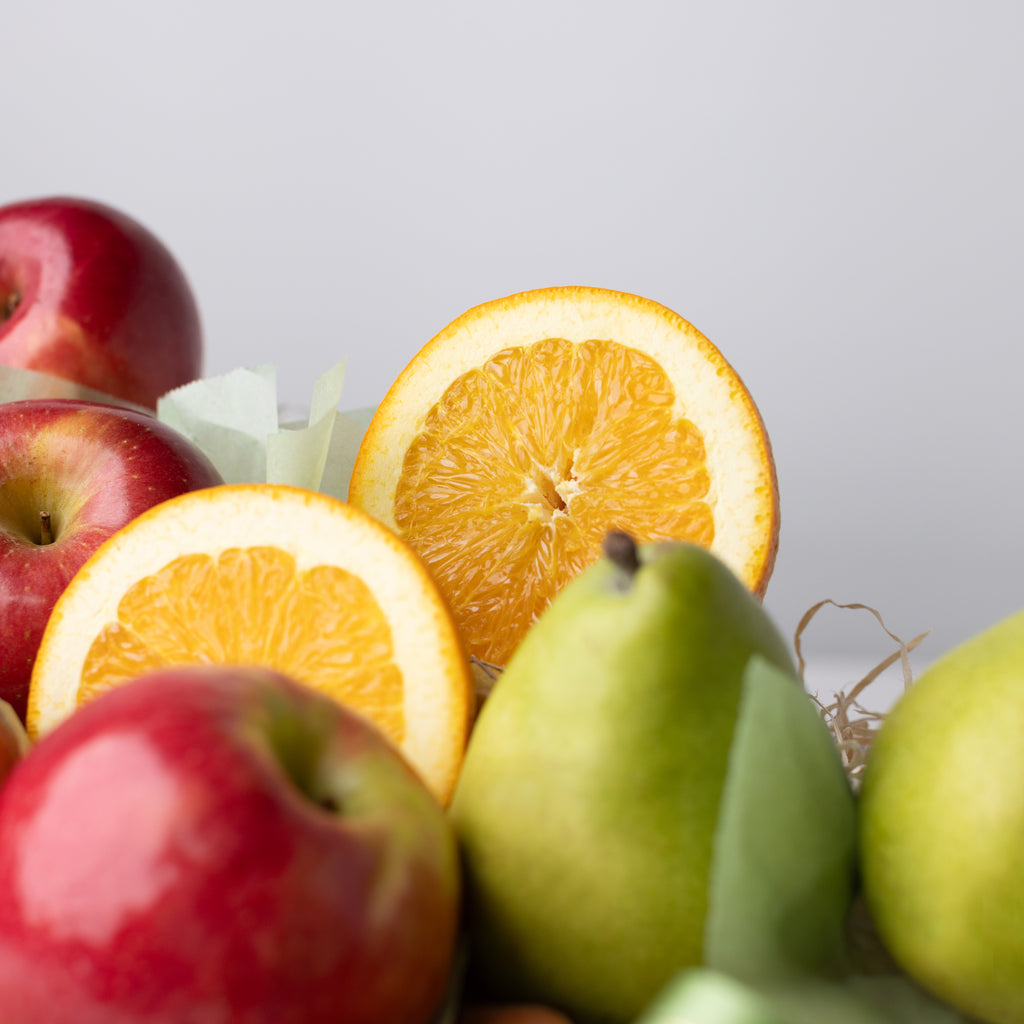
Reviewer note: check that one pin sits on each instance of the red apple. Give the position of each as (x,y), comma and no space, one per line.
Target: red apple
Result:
(222,845)
(90,295)
(90,469)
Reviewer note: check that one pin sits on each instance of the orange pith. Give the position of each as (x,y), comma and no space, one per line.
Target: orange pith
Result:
(252,606)
(500,489)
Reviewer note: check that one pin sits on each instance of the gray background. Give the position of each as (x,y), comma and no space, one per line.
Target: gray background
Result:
(830,191)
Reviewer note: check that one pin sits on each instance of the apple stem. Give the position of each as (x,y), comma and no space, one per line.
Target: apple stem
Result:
(620,548)
(45,528)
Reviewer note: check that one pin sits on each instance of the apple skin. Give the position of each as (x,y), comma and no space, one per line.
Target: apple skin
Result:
(94,468)
(90,295)
(222,845)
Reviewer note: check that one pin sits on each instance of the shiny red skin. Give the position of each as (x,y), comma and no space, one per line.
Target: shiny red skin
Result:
(90,295)
(158,864)
(94,467)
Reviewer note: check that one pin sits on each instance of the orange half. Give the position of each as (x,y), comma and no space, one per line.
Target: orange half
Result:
(532,425)
(275,576)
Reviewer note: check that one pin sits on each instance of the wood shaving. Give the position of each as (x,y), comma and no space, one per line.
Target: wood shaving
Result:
(485,675)
(852,725)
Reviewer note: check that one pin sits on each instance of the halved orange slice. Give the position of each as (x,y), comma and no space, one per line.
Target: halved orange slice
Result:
(267,575)
(533,424)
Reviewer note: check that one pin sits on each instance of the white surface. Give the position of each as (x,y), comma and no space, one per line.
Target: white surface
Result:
(831,192)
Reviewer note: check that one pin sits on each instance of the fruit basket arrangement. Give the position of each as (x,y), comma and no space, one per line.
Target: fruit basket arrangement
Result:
(464,709)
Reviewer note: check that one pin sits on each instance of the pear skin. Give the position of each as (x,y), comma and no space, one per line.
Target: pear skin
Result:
(942,826)
(588,799)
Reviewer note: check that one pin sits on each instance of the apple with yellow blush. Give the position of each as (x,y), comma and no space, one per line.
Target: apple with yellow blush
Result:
(72,474)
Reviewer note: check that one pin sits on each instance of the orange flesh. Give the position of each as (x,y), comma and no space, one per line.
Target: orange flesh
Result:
(252,606)
(525,463)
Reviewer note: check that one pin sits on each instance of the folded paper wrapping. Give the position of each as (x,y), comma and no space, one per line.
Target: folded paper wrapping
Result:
(236,419)
(707,996)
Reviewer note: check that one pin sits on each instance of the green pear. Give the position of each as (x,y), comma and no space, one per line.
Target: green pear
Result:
(589,796)
(942,826)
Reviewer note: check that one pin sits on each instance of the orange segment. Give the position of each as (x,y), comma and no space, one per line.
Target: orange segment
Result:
(308,624)
(316,589)
(548,477)
(532,425)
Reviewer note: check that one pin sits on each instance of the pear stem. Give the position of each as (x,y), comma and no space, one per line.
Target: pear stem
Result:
(45,528)
(620,548)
